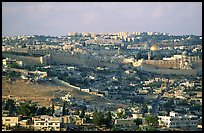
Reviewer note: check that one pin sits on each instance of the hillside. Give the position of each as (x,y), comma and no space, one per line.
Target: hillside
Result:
(42,93)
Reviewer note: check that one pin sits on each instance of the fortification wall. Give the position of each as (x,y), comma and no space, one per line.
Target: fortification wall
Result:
(26,59)
(61,58)
(192,72)
(163,64)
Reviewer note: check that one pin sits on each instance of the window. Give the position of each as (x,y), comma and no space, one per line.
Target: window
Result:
(41,123)
(50,123)
(7,119)
(56,123)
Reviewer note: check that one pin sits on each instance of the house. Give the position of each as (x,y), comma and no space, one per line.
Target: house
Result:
(174,120)
(66,97)
(10,121)
(71,120)
(124,122)
(5,112)
(46,123)
(135,116)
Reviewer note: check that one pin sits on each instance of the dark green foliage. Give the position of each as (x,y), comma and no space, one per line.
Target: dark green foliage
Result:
(63,109)
(42,111)
(13,74)
(144,108)
(152,120)
(10,106)
(53,108)
(138,121)
(82,114)
(108,120)
(98,118)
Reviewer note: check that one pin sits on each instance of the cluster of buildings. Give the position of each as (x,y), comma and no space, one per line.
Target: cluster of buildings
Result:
(107,63)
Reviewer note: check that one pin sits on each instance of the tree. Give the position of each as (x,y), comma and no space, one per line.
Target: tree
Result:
(82,114)
(43,111)
(63,109)
(145,108)
(10,106)
(53,108)
(138,121)
(98,118)
(152,120)
(76,112)
(108,120)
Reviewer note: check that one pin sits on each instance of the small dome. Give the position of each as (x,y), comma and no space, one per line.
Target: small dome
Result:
(185,53)
(154,47)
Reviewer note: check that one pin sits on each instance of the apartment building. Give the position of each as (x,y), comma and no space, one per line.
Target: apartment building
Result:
(10,121)
(46,123)
(174,120)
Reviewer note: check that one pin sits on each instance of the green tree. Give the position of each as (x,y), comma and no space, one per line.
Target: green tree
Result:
(82,114)
(43,111)
(53,108)
(63,109)
(138,121)
(98,118)
(108,120)
(152,120)
(145,108)
(10,106)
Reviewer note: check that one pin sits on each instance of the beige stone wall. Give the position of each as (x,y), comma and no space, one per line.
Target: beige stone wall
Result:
(26,59)
(150,68)
(163,64)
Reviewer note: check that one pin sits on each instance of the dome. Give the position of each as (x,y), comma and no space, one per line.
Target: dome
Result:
(154,47)
(185,53)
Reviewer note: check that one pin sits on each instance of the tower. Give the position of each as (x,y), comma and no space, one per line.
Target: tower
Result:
(149,56)
(118,51)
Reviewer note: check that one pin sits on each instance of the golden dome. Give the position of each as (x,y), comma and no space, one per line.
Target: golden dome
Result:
(154,47)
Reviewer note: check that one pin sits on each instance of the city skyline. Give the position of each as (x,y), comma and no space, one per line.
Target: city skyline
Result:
(54,18)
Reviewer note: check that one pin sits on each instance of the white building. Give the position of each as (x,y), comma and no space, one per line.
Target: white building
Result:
(174,120)
(126,122)
(46,123)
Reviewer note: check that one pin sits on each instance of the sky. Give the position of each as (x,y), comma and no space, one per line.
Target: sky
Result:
(59,18)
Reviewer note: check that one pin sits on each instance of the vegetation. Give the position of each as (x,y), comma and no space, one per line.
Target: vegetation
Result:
(65,109)
(152,120)
(100,118)
(138,121)
(82,114)
(12,74)
(10,106)
(26,109)
(53,108)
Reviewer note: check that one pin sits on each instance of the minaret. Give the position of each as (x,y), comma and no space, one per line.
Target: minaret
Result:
(149,56)
(118,50)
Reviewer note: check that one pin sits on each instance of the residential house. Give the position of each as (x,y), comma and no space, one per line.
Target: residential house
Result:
(46,123)
(174,120)
(10,121)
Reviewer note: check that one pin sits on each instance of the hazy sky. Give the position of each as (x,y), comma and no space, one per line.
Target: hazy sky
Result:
(59,18)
